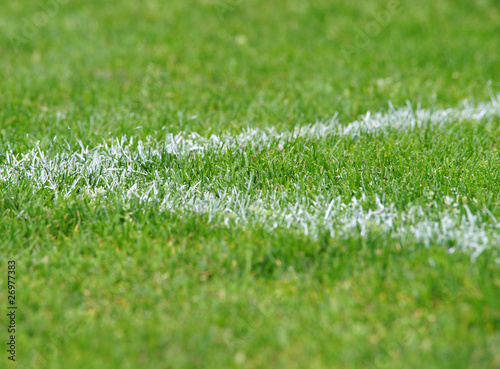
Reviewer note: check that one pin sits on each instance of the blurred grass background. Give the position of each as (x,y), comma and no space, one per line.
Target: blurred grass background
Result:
(214,66)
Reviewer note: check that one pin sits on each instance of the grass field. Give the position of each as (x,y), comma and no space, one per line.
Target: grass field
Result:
(251,184)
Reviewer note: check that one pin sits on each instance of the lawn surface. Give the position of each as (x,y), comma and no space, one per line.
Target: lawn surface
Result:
(199,184)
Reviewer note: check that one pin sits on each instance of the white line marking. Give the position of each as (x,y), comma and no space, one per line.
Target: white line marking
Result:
(95,172)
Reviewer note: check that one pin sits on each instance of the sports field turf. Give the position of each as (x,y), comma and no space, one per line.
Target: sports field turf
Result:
(250,184)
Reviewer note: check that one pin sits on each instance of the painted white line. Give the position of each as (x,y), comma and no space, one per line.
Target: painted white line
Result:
(96,173)
(405,118)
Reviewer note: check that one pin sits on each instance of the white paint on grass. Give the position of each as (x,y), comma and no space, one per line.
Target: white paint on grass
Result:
(459,229)
(405,118)
(116,170)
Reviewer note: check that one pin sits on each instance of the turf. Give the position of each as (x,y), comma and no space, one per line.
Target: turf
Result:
(363,241)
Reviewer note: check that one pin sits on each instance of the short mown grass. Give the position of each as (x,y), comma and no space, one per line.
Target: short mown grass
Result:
(110,281)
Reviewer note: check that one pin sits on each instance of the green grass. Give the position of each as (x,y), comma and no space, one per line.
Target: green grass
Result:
(113,276)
